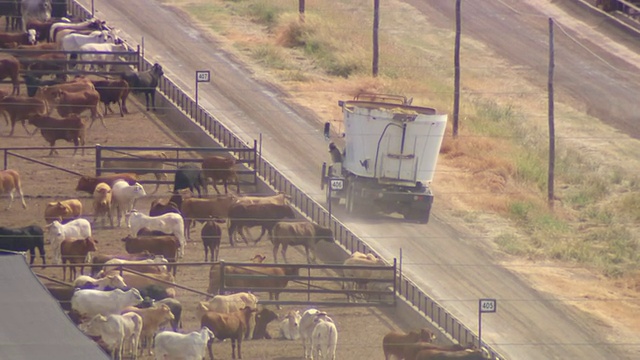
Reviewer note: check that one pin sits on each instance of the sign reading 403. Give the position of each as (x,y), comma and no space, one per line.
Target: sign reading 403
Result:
(203,75)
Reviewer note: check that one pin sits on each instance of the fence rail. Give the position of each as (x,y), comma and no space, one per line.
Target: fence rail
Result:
(270,174)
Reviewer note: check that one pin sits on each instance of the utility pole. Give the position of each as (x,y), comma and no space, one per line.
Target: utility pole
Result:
(376,25)
(456,66)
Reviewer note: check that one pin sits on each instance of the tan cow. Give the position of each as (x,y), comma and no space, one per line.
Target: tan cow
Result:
(9,184)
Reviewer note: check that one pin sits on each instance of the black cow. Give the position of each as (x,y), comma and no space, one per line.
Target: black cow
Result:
(145,82)
(33,83)
(23,239)
(189,177)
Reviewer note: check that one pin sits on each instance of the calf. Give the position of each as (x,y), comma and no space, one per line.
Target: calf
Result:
(70,129)
(91,302)
(9,184)
(152,318)
(219,168)
(102,204)
(145,82)
(62,210)
(124,197)
(290,325)
(23,239)
(76,252)
(10,68)
(211,234)
(79,102)
(112,91)
(167,246)
(88,183)
(171,345)
(173,304)
(21,108)
(228,326)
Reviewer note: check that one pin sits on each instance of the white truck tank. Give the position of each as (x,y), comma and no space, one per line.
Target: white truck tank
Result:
(394,143)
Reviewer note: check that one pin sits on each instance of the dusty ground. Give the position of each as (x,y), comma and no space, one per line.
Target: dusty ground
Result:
(42,185)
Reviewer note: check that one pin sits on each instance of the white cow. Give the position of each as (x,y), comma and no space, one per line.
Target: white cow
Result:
(90,302)
(73,42)
(324,339)
(116,331)
(192,346)
(73,230)
(307,324)
(170,223)
(123,197)
(104,53)
(111,282)
(156,265)
(290,325)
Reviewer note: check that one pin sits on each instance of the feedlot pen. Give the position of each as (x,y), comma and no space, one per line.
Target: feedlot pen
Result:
(360,328)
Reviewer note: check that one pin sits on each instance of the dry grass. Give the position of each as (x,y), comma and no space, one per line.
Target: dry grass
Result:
(497,166)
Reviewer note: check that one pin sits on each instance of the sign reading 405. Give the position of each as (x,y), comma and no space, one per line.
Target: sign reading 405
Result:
(488,305)
(203,75)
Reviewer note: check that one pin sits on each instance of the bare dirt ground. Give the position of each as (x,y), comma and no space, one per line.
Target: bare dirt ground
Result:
(42,185)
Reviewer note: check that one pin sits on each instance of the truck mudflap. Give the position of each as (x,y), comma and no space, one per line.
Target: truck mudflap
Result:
(413,206)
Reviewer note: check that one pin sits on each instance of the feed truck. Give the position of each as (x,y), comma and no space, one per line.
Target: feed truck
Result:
(389,159)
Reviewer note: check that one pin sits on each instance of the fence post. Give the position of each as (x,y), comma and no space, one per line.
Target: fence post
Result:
(6,159)
(98,157)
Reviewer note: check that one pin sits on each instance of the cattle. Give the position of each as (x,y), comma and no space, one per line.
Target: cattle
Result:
(151,319)
(466,354)
(78,102)
(88,183)
(290,325)
(307,325)
(10,9)
(90,302)
(163,280)
(43,28)
(191,346)
(62,210)
(189,177)
(394,342)
(124,197)
(73,42)
(25,38)
(23,239)
(324,339)
(276,278)
(76,252)
(263,318)
(359,259)
(110,282)
(105,53)
(98,260)
(102,204)
(219,168)
(33,83)
(73,230)
(164,206)
(203,209)
(140,163)
(226,304)
(34,9)
(112,91)
(167,223)
(89,24)
(145,82)
(10,184)
(306,234)
(264,215)
(21,108)
(51,94)
(211,234)
(411,350)
(156,265)
(116,331)
(228,326)
(167,246)
(70,128)
(278,199)
(176,310)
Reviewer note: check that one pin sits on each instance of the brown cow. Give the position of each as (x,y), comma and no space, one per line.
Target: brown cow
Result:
(136,164)
(10,67)
(62,210)
(264,215)
(70,129)
(88,183)
(68,102)
(48,94)
(75,252)
(98,260)
(411,350)
(21,108)
(199,209)
(220,168)
(296,233)
(394,342)
(228,326)
(112,91)
(9,184)
(166,246)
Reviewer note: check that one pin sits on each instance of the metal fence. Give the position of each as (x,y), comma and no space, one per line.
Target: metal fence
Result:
(314,210)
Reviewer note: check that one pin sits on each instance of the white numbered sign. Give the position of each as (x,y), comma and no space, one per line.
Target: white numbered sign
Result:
(488,305)
(203,76)
(337,184)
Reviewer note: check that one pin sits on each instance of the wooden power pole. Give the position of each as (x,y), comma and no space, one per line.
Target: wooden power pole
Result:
(552,135)
(456,66)
(376,25)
